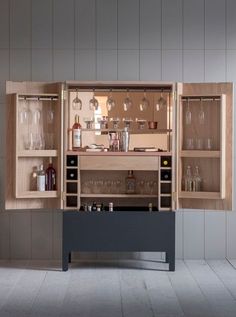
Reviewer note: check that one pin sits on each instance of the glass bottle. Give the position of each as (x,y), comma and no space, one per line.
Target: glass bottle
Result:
(188,180)
(41,179)
(50,180)
(130,183)
(197,181)
(76,134)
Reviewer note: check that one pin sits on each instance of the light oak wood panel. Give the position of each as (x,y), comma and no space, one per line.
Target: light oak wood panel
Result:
(119,163)
(16,167)
(204,90)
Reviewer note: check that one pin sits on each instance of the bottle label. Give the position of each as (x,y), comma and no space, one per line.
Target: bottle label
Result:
(41,183)
(76,138)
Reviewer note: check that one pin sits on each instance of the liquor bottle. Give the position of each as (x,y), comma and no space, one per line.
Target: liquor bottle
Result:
(50,179)
(94,206)
(41,179)
(76,134)
(130,183)
(197,181)
(188,180)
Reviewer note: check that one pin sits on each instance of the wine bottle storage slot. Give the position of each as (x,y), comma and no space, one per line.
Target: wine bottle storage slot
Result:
(72,201)
(71,174)
(165,202)
(165,175)
(165,188)
(165,161)
(71,188)
(72,160)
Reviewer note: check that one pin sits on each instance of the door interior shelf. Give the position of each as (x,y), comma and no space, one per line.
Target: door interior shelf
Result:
(197,153)
(38,194)
(37,153)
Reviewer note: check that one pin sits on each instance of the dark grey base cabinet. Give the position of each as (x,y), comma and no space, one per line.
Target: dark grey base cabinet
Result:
(119,231)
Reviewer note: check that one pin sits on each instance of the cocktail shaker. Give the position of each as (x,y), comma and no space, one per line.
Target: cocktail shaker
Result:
(125,140)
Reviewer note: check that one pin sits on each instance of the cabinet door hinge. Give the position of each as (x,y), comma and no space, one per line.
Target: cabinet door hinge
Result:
(64,95)
(175,95)
(63,196)
(174,195)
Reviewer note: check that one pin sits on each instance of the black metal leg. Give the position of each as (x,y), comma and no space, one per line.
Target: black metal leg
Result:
(171,258)
(69,257)
(167,257)
(65,261)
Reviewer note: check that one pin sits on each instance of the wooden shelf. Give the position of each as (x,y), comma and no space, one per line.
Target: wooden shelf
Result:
(165,195)
(139,131)
(37,153)
(37,194)
(200,195)
(110,153)
(118,195)
(196,153)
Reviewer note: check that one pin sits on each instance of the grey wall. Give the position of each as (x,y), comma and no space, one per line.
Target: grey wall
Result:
(174,40)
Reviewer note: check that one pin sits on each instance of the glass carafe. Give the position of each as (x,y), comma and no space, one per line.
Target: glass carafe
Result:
(197,180)
(188,180)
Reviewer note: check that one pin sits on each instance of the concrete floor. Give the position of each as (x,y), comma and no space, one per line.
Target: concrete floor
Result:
(115,289)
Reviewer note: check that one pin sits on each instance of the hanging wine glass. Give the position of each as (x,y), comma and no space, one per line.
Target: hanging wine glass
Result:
(127,102)
(93,103)
(77,103)
(50,113)
(161,102)
(25,113)
(110,103)
(188,114)
(201,114)
(144,104)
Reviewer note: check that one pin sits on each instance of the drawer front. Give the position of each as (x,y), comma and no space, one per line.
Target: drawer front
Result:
(119,163)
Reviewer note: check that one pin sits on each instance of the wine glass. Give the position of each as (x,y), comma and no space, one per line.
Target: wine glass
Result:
(127,104)
(127,122)
(201,114)
(188,114)
(77,103)
(93,103)
(89,122)
(110,103)
(144,104)
(50,113)
(115,122)
(161,103)
(141,123)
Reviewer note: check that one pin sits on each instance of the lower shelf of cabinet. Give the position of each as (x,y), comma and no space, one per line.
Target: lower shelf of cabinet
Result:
(37,194)
(118,195)
(200,195)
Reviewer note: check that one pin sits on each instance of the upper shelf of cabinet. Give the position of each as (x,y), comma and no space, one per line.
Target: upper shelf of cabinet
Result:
(37,124)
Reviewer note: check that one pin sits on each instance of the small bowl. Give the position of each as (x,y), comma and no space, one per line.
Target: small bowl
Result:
(152,125)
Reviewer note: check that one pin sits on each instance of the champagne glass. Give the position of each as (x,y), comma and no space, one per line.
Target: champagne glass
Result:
(93,103)
(188,114)
(144,104)
(110,103)
(201,114)
(77,103)
(127,104)
(161,102)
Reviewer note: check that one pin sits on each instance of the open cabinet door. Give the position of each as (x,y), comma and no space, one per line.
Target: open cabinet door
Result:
(34,119)
(204,145)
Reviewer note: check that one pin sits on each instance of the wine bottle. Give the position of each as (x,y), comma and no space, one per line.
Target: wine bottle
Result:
(130,183)
(41,179)
(50,179)
(76,134)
